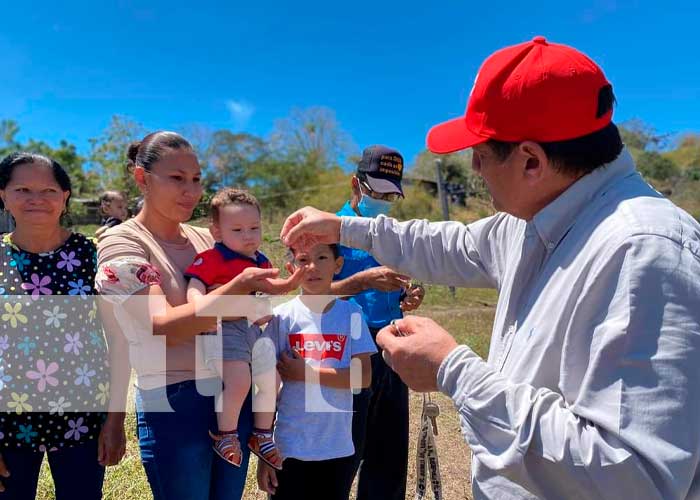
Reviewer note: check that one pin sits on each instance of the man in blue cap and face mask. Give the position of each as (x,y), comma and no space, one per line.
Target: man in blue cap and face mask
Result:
(380,423)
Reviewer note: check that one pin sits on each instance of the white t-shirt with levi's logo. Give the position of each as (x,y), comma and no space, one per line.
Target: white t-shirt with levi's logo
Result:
(314,422)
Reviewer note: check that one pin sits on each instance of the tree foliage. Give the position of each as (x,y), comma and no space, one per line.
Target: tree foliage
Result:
(653,165)
(108,155)
(639,135)
(456,170)
(66,154)
(231,159)
(305,160)
(311,137)
(687,151)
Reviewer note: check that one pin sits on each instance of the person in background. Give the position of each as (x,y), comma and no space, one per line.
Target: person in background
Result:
(380,426)
(113,208)
(54,369)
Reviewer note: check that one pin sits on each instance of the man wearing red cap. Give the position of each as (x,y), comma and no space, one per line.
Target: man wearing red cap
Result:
(591,386)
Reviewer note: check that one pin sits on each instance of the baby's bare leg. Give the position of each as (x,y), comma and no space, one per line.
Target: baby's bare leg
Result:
(266,381)
(236,376)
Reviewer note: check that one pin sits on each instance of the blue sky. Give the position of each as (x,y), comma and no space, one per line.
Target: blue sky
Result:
(390,70)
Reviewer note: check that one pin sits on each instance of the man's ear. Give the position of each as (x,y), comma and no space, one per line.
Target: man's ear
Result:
(355,185)
(215,231)
(339,264)
(535,163)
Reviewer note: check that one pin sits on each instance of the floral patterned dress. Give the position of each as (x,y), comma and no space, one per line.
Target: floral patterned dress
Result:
(54,376)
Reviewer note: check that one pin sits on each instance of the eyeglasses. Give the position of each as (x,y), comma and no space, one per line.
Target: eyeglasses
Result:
(390,197)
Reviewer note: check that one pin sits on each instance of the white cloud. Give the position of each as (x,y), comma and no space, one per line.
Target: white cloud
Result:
(240,111)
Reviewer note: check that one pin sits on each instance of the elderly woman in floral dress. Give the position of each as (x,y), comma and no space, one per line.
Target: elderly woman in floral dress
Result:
(54,375)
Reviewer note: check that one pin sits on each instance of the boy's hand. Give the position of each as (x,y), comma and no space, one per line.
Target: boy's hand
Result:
(292,367)
(267,478)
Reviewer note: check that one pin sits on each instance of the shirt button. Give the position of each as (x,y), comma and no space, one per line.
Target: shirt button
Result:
(550,245)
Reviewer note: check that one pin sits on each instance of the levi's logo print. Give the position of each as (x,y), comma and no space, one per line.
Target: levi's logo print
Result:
(319,346)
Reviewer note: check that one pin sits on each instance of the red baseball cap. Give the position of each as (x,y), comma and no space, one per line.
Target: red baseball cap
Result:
(536,91)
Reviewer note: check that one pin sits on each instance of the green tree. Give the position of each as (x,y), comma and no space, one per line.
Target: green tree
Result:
(656,166)
(84,183)
(456,169)
(8,132)
(280,183)
(306,149)
(687,151)
(230,159)
(639,135)
(108,154)
(312,137)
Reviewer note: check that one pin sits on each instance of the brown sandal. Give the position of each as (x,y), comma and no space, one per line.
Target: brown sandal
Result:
(228,447)
(263,446)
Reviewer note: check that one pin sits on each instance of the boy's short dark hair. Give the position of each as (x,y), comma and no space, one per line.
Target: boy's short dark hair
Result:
(231,196)
(335,248)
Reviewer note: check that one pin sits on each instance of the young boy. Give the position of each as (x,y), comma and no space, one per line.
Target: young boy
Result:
(318,339)
(237,230)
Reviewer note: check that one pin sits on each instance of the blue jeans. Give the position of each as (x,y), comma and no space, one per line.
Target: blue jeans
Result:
(176,449)
(76,473)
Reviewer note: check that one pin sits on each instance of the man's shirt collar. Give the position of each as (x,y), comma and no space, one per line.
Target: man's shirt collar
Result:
(554,221)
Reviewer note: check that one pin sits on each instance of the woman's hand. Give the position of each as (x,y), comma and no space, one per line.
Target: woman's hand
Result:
(4,472)
(292,367)
(253,279)
(111,444)
(267,478)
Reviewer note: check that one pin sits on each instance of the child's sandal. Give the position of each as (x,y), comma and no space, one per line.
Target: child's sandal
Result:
(265,449)
(228,447)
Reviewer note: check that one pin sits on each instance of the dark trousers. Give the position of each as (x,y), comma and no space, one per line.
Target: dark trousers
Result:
(76,473)
(319,480)
(380,434)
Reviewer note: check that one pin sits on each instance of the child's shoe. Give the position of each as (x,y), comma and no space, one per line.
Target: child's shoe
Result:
(264,447)
(228,447)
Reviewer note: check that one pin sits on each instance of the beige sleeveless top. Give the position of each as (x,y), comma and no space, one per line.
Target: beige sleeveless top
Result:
(131,258)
